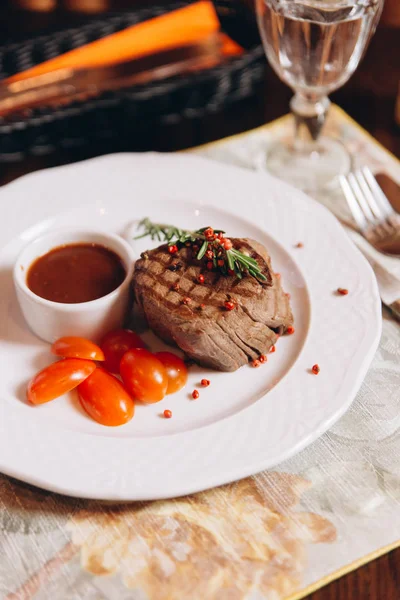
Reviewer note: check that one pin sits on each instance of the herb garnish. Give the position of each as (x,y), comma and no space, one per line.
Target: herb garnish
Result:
(210,245)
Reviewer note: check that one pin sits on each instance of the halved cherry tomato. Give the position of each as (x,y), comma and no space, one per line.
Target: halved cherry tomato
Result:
(105,399)
(144,375)
(176,371)
(58,379)
(77,347)
(115,344)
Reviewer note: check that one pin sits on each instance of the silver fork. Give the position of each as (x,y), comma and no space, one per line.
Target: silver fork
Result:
(375,217)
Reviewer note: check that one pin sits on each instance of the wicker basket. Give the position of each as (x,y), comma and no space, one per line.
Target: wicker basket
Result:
(117,115)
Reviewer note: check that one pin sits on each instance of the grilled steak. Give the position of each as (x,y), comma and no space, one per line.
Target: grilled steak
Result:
(191,315)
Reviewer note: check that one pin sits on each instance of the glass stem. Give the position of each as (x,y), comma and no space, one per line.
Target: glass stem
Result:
(309,116)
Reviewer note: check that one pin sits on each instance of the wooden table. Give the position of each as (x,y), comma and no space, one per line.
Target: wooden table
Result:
(369,97)
(378,580)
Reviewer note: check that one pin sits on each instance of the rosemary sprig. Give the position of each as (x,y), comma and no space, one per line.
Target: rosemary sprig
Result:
(215,248)
(202,250)
(164,233)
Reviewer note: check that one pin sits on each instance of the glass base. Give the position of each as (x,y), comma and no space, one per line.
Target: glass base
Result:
(310,170)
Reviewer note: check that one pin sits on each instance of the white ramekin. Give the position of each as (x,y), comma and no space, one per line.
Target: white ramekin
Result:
(51,320)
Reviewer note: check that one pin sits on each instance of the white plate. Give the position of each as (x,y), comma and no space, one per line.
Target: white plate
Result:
(245,421)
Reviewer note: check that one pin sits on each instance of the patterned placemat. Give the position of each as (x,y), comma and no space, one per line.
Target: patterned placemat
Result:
(276,536)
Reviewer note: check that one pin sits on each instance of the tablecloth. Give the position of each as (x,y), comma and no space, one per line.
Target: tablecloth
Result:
(275,536)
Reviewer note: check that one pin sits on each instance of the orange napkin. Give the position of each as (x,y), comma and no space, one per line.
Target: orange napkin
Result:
(184,26)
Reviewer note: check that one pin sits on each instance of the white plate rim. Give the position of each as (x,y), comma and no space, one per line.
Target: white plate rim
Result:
(117,488)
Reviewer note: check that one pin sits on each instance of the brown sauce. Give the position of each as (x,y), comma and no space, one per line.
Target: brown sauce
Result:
(76,273)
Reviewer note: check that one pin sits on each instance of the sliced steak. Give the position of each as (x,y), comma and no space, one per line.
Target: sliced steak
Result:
(203,328)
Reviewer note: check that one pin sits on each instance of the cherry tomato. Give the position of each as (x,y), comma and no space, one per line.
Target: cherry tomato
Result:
(105,399)
(77,347)
(176,371)
(58,379)
(115,344)
(144,375)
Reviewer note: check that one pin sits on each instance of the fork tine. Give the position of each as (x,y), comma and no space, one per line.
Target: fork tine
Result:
(362,201)
(369,195)
(379,196)
(355,209)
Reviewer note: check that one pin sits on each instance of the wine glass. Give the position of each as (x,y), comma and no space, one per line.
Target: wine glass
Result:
(314,46)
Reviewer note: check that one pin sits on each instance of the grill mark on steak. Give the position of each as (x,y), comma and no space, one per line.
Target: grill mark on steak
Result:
(213,337)
(190,260)
(244,293)
(208,299)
